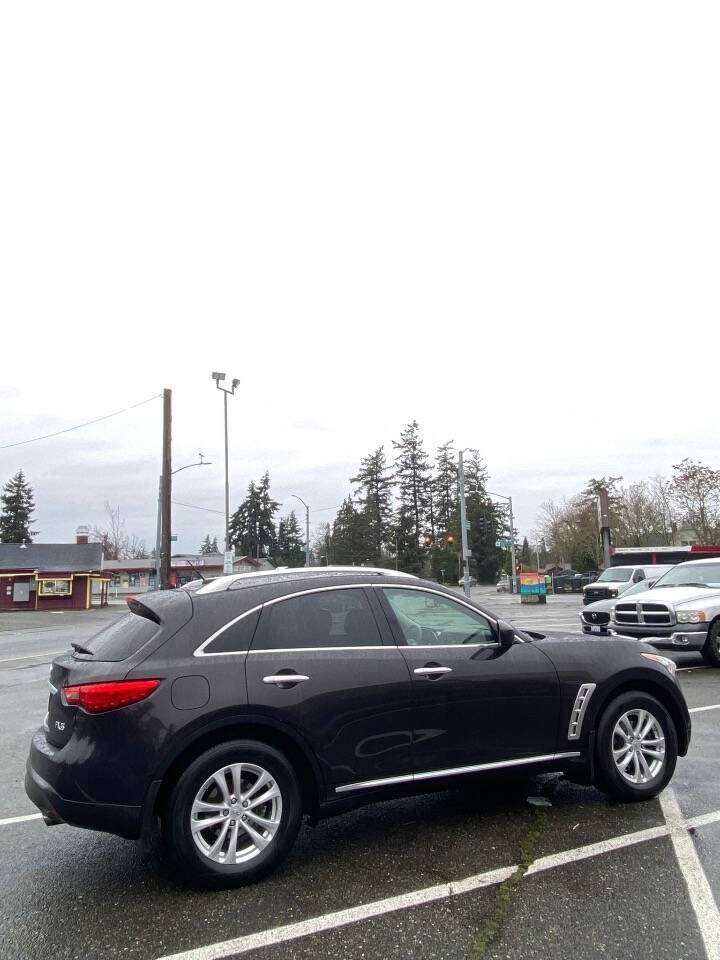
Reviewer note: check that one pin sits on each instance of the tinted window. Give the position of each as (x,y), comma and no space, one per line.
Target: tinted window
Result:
(332,618)
(237,637)
(427,618)
(122,638)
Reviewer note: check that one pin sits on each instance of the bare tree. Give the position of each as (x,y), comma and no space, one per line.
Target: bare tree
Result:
(695,489)
(116,543)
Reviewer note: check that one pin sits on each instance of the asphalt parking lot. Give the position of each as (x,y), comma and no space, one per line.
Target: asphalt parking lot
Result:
(431,877)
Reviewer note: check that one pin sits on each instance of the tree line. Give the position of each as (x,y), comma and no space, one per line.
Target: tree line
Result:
(655,512)
(401,512)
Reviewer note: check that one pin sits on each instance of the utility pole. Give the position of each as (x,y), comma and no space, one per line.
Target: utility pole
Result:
(166,491)
(463,527)
(158,533)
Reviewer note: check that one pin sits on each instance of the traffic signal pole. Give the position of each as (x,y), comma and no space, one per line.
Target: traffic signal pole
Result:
(463,527)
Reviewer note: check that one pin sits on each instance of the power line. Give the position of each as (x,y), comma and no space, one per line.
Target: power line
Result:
(194,506)
(47,436)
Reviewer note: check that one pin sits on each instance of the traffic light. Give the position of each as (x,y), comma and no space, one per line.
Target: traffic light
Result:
(450,540)
(428,538)
(518,567)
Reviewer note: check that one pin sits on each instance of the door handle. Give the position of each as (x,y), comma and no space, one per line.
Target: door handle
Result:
(285,679)
(431,672)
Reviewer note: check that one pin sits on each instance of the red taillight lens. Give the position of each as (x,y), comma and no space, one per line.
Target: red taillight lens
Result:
(99,697)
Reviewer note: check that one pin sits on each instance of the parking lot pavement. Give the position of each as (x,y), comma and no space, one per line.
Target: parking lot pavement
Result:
(417,878)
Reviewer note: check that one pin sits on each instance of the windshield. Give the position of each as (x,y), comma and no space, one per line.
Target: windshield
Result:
(692,575)
(615,574)
(638,588)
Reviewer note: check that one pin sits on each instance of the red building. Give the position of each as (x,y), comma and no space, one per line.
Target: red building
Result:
(52,576)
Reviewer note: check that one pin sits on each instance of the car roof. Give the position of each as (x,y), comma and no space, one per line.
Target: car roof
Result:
(689,563)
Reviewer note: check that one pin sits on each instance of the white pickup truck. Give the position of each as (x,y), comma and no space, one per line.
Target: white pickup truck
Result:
(681,612)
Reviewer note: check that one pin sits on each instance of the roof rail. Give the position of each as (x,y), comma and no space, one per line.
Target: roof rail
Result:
(219,584)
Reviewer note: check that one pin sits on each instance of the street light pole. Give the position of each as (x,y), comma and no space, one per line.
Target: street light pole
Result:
(158,534)
(307,528)
(218,378)
(463,527)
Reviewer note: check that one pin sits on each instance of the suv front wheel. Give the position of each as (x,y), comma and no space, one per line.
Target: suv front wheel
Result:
(636,747)
(711,650)
(233,814)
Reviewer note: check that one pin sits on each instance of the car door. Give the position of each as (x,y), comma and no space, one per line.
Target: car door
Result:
(347,693)
(474,702)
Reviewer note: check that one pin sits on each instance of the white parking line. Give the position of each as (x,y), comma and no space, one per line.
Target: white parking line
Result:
(701,896)
(9,820)
(713,706)
(32,656)
(330,921)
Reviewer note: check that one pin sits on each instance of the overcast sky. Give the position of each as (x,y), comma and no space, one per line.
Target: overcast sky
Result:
(500,219)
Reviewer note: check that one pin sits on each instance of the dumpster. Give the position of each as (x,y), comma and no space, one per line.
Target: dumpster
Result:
(532,588)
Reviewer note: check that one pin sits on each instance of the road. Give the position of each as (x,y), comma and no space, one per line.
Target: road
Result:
(417,878)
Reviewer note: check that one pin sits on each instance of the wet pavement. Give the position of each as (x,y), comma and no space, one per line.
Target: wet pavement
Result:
(605,880)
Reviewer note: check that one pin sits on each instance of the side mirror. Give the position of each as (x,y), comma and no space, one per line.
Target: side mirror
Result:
(506,634)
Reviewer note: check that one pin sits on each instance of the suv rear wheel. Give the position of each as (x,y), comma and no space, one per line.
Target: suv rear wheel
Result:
(637,747)
(233,814)
(711,650)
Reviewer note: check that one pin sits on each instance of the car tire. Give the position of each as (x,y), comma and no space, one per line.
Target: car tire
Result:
(711,650)
(259,812)
(633,764)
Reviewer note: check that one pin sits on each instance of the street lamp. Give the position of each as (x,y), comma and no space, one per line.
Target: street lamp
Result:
(158,536)
(218,378)
(513,572)
(307,528)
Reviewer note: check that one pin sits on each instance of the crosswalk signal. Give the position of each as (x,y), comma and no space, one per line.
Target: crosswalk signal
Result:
(518,567)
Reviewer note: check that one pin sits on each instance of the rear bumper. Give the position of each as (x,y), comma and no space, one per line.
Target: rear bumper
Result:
(124,821)
(689,636)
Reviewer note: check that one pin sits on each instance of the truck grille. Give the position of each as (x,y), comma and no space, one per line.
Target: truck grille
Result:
(651,614)
(593,616)
(597,593)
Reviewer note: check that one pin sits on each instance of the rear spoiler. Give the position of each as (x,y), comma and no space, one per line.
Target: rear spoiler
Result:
(142,610)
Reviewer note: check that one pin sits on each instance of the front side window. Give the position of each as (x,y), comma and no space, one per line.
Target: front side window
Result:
(331,618)
(429,619)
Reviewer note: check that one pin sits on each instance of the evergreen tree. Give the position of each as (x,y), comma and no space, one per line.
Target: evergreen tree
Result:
(486,520)
(209,546)
(18,507)
(445,487)
(525,555)
(412,474)
(252,530)
(349,536)
(374,493)
(410,555)
(290,542)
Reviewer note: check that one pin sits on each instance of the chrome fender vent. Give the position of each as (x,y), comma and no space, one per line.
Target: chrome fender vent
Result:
(578,711)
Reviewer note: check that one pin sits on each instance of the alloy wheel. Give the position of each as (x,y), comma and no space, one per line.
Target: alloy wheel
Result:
(638,746)
(236,813)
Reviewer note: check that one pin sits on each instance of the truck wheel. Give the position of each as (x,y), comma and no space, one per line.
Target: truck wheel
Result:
(711,650)
(233,814)
(637,747)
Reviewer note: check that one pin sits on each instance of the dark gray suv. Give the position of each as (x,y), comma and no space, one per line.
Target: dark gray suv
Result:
(229,709)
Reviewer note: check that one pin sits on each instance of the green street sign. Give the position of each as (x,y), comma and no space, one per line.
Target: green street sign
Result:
(503,544)
(467,524)
(174,537)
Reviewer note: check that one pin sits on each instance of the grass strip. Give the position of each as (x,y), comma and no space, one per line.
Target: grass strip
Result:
(495,921)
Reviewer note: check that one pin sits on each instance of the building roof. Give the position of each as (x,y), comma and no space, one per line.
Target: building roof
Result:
(51,557)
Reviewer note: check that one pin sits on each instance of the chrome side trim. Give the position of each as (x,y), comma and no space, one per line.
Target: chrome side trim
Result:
(454,771)
(318,649)
(577,714)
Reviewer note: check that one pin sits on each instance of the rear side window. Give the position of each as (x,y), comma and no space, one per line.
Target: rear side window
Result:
(236,637)
(331,618)
(122,639)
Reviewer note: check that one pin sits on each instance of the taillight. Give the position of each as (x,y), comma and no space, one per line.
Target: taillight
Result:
(99,697)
